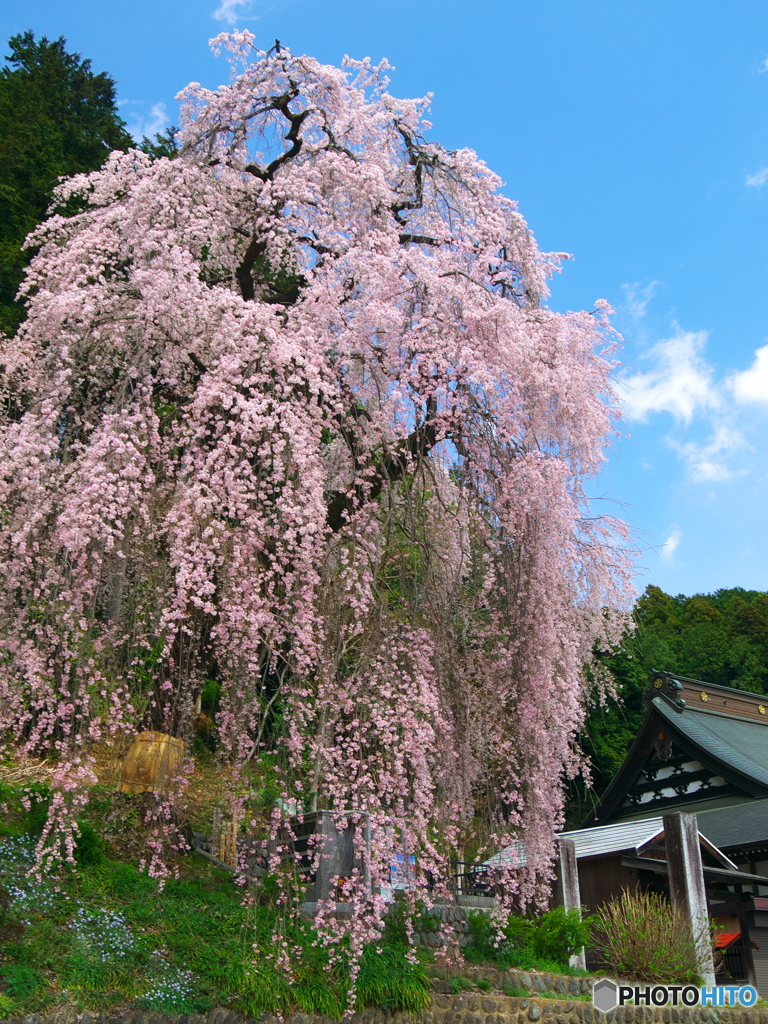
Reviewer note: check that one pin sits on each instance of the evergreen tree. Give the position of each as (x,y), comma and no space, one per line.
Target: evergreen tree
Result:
(57,118)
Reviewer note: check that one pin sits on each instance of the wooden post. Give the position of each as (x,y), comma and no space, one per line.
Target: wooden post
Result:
(686,885)
(567,893)
(746,942)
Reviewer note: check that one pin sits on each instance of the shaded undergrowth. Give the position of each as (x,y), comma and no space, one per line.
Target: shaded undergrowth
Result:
(103,935)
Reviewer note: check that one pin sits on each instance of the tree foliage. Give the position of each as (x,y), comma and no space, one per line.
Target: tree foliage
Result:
(289,411)
(57,118)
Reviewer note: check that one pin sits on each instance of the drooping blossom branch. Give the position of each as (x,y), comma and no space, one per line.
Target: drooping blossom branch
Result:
(290,411)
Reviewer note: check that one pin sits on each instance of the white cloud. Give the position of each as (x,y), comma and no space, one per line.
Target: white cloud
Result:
(668,548)
(752,385)
(681,382)
(638,296)
(706,461)
(229,11)
(759,179)
(763,67)
(140,123)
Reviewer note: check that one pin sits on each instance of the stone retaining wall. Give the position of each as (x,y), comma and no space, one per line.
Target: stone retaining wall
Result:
(499,980)
(470,1008)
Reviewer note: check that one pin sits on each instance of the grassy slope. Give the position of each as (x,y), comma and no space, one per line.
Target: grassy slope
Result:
(104,935)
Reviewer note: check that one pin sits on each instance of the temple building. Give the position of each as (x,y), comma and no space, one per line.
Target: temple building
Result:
(701,749)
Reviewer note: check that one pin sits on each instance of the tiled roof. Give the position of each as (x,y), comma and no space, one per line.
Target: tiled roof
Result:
(741,825)
(741,744)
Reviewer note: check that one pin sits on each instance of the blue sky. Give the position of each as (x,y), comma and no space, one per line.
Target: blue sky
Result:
(634,135)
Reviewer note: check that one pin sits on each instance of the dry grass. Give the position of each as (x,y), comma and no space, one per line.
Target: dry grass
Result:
(207,788)
(19,771)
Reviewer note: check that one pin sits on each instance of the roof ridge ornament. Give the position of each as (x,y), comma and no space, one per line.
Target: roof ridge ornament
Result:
(662,684)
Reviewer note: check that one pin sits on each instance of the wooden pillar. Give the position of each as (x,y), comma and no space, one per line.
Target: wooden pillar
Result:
(686,885)
(567,893)
(746,943)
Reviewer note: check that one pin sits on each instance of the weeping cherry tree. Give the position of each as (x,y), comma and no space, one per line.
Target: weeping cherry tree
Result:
(290,412)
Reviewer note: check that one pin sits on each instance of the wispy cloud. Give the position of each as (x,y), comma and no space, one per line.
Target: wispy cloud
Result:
(669,547)
(232,11)
(637,296)
(759,179)
(752,385)
(717,414)
(708,462)
(763,67)
(141,123)
(681,381)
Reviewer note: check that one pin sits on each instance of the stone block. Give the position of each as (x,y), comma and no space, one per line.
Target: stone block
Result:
(488,1005)
(534,1011)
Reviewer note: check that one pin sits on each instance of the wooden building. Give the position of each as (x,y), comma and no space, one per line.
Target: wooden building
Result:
(632,855)
(701,749)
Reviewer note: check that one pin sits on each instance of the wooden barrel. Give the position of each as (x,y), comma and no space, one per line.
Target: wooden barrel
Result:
(152,760)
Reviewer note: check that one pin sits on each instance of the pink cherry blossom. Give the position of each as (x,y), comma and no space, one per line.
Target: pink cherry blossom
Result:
(291,411)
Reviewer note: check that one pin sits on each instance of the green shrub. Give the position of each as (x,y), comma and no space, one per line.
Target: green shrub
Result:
(399,914)
(643,936)
(529,944)
(89,848)
(395,931)
(488,943)
(210,698)
(560,933)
